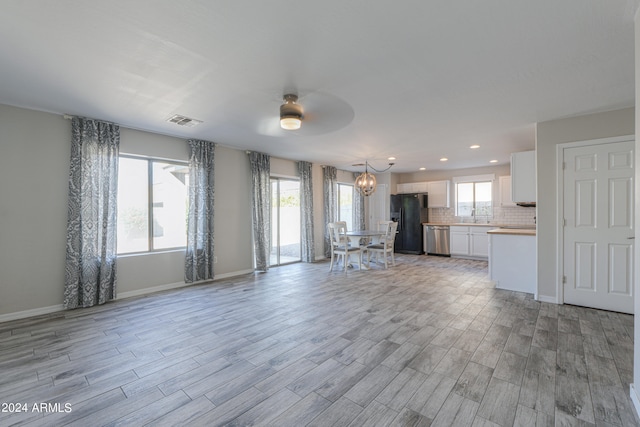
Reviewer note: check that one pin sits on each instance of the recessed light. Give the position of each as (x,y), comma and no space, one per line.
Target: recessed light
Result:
(493,161)
(474,146)
(391,158)
(444,159)
(423,169)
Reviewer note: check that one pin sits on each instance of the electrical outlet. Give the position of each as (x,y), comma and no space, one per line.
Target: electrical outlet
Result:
(215,259)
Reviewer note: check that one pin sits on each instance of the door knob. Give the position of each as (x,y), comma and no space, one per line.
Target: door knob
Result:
(630,238)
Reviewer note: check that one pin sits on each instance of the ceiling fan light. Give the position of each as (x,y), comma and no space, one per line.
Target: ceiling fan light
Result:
(290,113)
(290,122)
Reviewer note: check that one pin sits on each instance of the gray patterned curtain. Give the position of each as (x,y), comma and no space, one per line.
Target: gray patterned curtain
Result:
(358,207)
(90,269)
(261,207)
(330,186)
(199,256)
(306,211)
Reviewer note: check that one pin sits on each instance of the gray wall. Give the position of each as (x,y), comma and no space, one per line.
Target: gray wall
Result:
(34,168)
(34,171)
(548,136)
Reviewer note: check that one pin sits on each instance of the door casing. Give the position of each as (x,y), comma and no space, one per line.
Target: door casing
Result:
(560,205)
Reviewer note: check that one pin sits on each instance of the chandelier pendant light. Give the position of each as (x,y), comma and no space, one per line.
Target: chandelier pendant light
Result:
(366,182)
(290,113)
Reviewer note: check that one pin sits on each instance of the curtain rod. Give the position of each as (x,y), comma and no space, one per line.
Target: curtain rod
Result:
(70,117)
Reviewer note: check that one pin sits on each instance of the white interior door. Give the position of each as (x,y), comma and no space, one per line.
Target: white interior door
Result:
(378,206)
(599,230)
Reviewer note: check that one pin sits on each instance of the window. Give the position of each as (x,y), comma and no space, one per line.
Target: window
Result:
(152,204)
(345,204)
(474,196)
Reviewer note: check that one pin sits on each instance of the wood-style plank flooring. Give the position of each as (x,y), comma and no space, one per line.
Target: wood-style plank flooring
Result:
(428,342)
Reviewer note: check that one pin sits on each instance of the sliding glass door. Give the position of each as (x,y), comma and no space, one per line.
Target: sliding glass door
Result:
(345,204)
(285,221)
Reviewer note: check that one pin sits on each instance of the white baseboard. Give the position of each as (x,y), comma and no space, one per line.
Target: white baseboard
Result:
(635,398)
(551,300)
(177,285)
(121,295)
(233,274)
(30,313)
(153,289)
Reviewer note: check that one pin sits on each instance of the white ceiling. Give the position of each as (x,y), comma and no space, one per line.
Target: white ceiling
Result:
(418,80)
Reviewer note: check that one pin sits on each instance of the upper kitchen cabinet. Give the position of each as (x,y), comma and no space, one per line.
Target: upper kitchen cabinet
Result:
(438,192)
(505,192)
(523,177)
(412,187)
(402,188)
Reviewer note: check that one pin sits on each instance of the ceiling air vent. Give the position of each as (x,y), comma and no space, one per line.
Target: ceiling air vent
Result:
(184,121)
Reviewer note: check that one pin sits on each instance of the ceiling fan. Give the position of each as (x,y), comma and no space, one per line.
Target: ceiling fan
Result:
(302,114)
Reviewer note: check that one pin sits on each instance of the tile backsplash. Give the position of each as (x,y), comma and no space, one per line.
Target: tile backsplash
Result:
(515,215)
(443,215)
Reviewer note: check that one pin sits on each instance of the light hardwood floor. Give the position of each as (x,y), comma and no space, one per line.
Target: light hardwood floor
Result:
(428,342)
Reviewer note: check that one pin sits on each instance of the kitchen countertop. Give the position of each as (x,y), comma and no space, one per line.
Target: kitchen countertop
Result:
(478,224)
(513,231)
(509,229)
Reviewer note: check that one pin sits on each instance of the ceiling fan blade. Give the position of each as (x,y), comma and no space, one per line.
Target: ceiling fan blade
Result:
(324,113)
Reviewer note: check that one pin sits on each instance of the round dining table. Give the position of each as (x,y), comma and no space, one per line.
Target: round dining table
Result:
(355,235)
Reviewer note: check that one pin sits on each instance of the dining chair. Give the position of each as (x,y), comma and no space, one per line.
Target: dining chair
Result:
(385,245)
(382,226)
(340,245)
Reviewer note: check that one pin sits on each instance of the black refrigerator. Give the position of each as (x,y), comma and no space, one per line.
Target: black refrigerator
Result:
(409,211)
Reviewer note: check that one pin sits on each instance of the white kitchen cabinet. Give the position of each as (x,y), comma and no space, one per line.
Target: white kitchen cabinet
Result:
(523,177)
(479,241)
(402,188)
(459,240)
(469,241)
(438,194)
(412,187)
(421,187)
(504,183)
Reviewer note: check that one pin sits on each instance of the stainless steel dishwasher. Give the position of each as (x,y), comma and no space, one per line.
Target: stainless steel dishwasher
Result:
(438,240)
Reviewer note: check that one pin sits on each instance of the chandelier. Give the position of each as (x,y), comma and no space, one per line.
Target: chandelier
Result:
(366,182)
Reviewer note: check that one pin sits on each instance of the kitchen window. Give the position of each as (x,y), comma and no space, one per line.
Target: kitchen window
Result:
(152,204)
(474,196)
